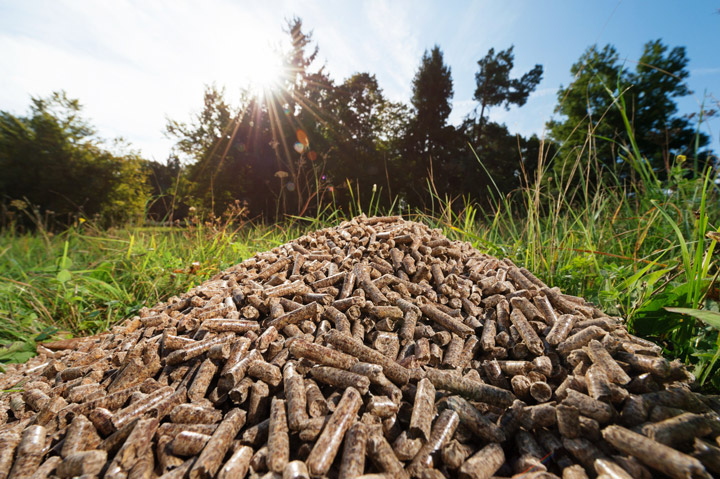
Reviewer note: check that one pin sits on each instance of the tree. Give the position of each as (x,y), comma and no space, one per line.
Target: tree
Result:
(217,174)
(592,128)
(587,107)
(365,136)
(498,161)
(494,86)
(270,150)
(432,98)
(661,76)
(430,139)
(53,158)
(504,162)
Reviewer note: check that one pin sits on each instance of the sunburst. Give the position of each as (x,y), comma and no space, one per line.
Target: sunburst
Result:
(263,70)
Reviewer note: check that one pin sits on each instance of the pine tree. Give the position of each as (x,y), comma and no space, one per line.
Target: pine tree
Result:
(494,86)
(431,142)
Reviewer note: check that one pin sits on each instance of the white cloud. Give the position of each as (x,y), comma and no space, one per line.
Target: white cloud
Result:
(395,44)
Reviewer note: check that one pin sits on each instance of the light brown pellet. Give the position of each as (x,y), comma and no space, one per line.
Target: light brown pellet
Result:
(598,410)
(238,465)
(188,443)
(382,455)
(211,457)
(134,447)
(446,321)
(321,354)
(308,311)
(528,334)
(442,430)
(475,421)
(278,439)
(469,388)
(654,454)
(423,410)
(484,463)
(340,378)
(327,445)
(29,453)
(352,464)
(80,435)
(87,463)
(9,441)
(683,428)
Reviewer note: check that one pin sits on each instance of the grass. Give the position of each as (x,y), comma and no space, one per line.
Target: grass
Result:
(645,253)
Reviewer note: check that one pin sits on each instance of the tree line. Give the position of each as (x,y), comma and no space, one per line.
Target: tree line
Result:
(309,142)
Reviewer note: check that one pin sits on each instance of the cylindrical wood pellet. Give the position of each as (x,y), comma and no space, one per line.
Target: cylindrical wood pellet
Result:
(188,443)
(442,431)
(278,439)
(423,410)
(211,457)
(327,445)
(654,454)
(9,441)
(382,455)
(29,453)
(238,465)
(352,464)
(88,463)
(484,463)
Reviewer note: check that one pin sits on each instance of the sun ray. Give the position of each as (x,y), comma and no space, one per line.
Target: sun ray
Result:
(273,117)
(308,104)
(264,71)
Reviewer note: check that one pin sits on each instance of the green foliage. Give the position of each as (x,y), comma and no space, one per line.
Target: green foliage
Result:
(87,279)
(215,177)
(431,99)
(365,141)
(494,87)
(431,144)
(606,101)
(53,159)
(307,142)
(269,152)
(167,182)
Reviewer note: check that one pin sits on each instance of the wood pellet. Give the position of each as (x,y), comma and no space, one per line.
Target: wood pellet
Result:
(374,349)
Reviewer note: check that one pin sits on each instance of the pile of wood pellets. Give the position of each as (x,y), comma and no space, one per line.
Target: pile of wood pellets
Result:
(375,349)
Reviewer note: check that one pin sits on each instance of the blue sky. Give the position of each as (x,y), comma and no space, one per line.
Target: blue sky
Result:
(133,64)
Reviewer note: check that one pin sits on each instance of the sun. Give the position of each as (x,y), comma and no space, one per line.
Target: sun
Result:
(263,70)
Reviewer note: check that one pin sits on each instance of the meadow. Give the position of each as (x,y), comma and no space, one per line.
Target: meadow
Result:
(644,252)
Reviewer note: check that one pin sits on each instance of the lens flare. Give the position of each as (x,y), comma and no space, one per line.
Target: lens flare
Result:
(299,147)
(263,70)
(302,137)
